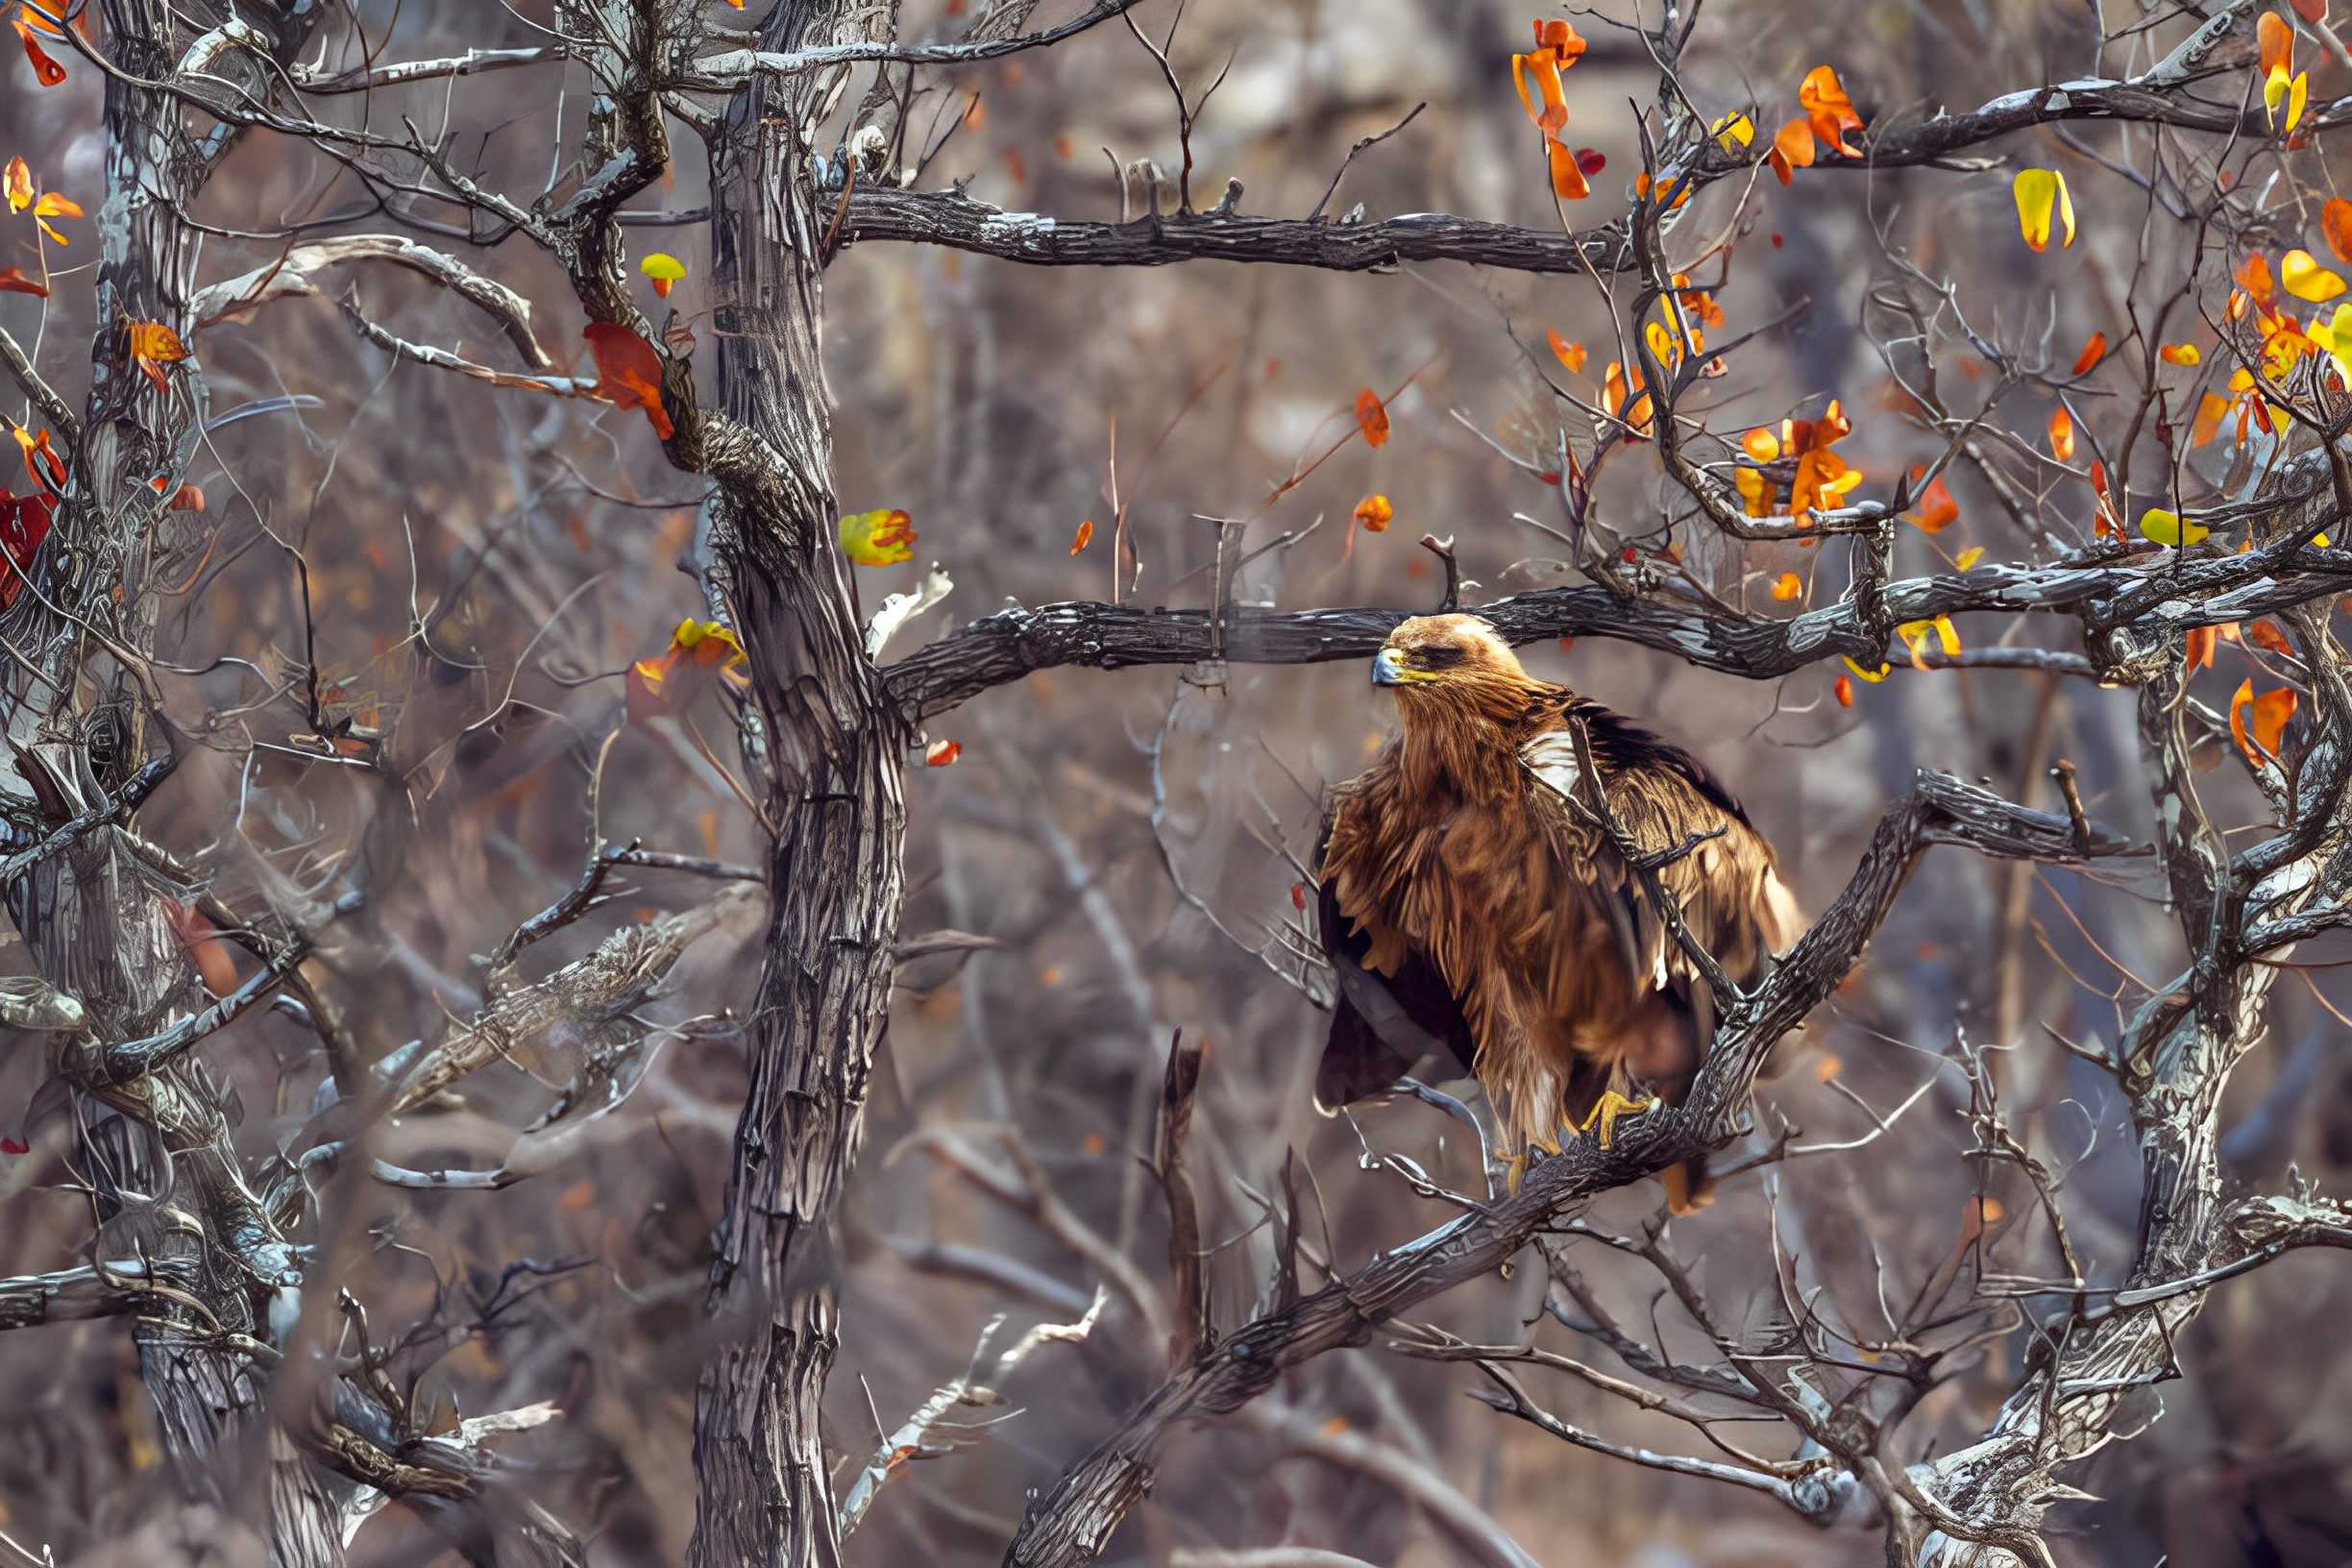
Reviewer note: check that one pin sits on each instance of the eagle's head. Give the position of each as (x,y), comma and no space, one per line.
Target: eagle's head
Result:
(1459,663)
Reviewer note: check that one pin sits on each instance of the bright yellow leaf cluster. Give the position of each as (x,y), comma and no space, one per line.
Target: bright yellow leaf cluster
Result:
(1821,480)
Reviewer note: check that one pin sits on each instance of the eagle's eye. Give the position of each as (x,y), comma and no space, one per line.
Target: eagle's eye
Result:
(1438,655)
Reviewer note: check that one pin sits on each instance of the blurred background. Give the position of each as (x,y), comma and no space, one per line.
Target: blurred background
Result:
(483,564)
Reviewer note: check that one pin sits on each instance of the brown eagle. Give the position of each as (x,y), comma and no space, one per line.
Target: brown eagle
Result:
(1468,907)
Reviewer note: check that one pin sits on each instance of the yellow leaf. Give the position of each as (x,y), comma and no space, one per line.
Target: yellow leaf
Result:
(664,270)
(2296,97)
(2170,527)
(1761,445)
(1969,557)
(2039,193)
(1733,132)
(882,537)
(2306,279)
(2179,354)
(1663,345)
(2275,88)
(19,185)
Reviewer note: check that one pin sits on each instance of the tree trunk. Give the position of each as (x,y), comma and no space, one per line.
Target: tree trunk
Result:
(834,752)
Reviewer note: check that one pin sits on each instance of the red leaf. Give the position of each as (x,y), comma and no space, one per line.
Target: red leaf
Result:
(1298,895)
(941,753)
(1589,161)
(628,371)
(13,281)
(24,523)
(1372,417)
(15,1145)
(48,72)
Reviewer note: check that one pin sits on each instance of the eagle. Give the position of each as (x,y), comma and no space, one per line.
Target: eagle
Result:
(1473,903)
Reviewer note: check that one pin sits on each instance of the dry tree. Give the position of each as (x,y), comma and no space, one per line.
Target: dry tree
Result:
(2177,478)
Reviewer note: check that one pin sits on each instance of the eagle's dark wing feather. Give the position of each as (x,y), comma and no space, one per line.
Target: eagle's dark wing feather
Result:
(1381,1026)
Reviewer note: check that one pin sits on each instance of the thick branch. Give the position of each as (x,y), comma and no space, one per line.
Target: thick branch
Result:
(950,218)
(72,1294)
(1012,644)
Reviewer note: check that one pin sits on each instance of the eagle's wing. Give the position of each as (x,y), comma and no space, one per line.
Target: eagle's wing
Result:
(1719,871)
(1394,1008)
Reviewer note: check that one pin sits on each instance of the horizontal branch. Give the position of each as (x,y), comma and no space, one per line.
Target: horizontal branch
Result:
(1072,1524)
(2135,101)
(730,71)
(473,62)
(2101,590)
(72,1294)
(950,218)
(297,273)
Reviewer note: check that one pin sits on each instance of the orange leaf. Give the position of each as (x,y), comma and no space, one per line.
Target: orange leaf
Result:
(1845,690)
(187,499)
(2211,409)
(2336,226)
(153,340)
(2254,276)
(2198,652)
(47,469)
(18,184)
(2263,634)
(13,281)
(2062,435)
(1372,417)
(2260,721)
(939,753)
(1571,355)
(1375,513)
(2092,352)
(1828,111)
(1788,587)
(1085,537)
(1937,510)
(1567,173)
(628,371)
(153,346)
(2277,41)
(1792,148)
(46,71)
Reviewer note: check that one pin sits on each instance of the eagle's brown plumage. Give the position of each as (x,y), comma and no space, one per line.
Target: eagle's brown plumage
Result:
(1466,906)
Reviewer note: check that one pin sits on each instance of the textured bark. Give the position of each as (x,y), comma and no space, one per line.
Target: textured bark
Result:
(90,912)
(950,218)
(834,752)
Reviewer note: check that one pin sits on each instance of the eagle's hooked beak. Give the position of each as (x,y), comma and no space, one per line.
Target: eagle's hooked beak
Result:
(1387,668)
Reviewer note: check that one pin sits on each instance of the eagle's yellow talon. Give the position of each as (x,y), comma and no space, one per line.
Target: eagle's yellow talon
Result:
(1514,1171)
(1611,1106)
